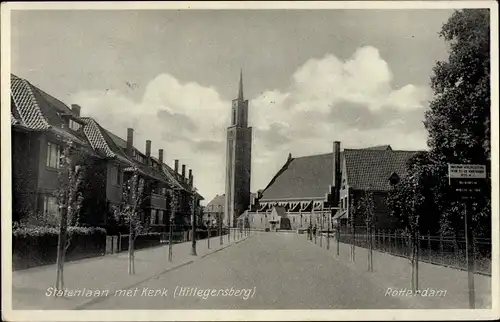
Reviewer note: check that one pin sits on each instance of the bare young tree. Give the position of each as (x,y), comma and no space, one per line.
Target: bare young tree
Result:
(367,206)
(69,199)
(128,212)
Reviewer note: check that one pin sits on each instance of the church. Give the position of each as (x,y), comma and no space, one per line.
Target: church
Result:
(323,190)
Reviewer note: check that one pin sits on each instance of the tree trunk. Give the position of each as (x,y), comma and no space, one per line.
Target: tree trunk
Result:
(61,248)
(170,240)
(130,249)
(193,229)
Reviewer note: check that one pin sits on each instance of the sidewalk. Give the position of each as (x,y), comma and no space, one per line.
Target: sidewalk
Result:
(31,287)
(395,272)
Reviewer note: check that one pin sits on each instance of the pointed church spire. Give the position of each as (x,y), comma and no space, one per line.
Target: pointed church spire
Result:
(240,92)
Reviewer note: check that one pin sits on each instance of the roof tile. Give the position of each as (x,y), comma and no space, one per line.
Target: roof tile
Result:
(26,104)
(371,169)
(302,178)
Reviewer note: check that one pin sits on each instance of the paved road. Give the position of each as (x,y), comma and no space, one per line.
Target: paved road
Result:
(279,271)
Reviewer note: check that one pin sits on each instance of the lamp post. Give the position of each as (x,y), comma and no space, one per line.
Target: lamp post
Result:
(219,225)
(228,227)
(328,233)
(322,219)
(208,228)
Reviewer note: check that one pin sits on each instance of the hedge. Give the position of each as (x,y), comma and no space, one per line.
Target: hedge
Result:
(35,246)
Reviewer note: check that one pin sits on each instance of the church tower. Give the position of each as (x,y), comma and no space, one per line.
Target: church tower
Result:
(238,159)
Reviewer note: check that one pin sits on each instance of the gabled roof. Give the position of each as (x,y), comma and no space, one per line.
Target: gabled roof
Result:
(371,169)
(26,104)
(218,200)
(101,142)
(380,147)
(36,110)
(121,143)
(306,177)
(280,211)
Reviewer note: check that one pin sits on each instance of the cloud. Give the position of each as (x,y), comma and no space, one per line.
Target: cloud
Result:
(328,99)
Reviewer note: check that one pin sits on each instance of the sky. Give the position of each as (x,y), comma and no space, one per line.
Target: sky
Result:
(311,77)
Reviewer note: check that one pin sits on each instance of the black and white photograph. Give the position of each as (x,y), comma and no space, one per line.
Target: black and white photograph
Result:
(250,161)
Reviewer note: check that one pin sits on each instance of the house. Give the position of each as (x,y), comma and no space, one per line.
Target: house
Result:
(41,127)
(214,210)
(368,172)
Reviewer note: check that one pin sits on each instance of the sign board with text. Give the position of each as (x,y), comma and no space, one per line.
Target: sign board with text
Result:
(466,179)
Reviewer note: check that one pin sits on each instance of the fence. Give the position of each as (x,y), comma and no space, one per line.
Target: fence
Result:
(156,239)
(439,250)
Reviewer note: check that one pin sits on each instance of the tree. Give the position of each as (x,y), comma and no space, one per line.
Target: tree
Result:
(458,120)
(128,212)
(406,200)
(69,199)
(173,198)
(366,206)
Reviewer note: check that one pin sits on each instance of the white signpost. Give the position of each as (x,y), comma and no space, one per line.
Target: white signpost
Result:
(467,180)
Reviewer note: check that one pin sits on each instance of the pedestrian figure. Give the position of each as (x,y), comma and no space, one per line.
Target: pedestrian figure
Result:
(309,233)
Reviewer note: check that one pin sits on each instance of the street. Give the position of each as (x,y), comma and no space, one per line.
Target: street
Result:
(284,270)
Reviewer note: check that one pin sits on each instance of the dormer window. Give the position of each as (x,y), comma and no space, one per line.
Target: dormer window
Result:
(394,178)
(75,126)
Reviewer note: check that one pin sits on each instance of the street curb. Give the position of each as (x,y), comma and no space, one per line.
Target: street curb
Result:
(101,298)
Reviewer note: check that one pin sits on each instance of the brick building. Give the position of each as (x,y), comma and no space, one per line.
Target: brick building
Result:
(370,170)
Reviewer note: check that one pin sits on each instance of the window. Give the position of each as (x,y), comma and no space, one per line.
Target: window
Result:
(293,219)
(153,216)
(160,217)
(163,191)
(342,203)
(115,175)
(75,126)
(50,205)
(53,155)
(234,115)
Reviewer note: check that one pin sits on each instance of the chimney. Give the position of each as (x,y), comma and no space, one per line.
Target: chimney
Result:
(336,171)
(148,152)
(130,141)
(176,167)
(160,156)
(75,109)
(184,171)
(190,177)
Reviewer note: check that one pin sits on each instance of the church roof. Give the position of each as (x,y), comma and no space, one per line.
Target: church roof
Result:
(310,177)
(371,168)
(306,177)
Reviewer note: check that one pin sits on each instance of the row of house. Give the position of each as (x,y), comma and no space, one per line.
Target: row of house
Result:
(42,125)
(323,190)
